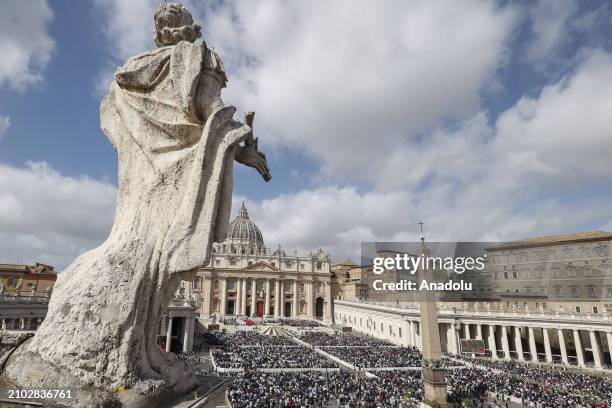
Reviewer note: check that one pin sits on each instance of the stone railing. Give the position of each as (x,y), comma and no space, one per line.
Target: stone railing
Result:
(21,298)
(447,311)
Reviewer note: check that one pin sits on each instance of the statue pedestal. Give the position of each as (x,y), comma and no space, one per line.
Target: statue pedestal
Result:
(434,384)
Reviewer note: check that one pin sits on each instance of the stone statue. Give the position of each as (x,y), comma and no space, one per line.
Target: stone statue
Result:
(176,143)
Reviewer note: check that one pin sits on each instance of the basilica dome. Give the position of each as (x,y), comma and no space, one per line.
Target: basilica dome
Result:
(242,230)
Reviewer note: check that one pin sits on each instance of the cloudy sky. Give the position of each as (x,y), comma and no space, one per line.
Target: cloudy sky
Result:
(487,120)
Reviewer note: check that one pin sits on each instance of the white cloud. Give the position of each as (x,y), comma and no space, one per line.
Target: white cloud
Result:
(50,218)
(25,43)
(339,219)
(5,122)
(340,80)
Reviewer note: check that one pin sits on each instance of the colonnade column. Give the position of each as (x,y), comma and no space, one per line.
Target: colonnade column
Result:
(547,350)
(479,331)
(254,298)
(533,350)
(578,344)
(492,344)
(223,306)
(451,339)
(267,304)
(466,330)
(169,334)
(413,334)
(562,347)
(277,298)
(505,345)
(595,348)
(518,343)
(296,297)
(609,339)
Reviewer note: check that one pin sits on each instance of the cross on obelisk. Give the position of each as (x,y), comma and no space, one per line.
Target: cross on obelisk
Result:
(433,374)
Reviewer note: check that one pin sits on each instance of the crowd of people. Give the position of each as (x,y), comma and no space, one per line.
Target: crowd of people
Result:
(368,357)
(269,357)
(474,383)
(299,323)
(320,339)
(259,390)
(250,338)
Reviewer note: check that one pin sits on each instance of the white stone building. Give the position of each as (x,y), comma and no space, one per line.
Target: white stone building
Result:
(245,278)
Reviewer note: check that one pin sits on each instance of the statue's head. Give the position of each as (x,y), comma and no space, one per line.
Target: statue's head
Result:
(173,23)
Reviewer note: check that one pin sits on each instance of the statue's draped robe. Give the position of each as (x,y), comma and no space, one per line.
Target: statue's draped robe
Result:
(175,144)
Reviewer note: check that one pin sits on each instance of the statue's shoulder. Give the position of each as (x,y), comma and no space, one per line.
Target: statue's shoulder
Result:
(212,63)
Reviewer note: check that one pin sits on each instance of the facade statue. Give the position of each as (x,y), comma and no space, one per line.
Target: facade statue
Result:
(176,143)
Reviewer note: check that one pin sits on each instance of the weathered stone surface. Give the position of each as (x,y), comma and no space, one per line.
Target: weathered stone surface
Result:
(176,143)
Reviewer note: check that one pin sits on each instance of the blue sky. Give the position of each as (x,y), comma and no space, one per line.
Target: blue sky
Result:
(488,120)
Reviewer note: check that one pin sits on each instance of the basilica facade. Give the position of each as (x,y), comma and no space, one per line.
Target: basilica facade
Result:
(245,278)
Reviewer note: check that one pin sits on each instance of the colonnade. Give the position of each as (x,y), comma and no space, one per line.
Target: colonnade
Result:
(559,339)
(514,334)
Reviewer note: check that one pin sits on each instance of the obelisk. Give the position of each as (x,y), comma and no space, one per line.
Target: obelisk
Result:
(433,372)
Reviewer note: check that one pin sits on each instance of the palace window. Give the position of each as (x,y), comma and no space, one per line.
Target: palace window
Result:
(11,282)
(578,309)
(591,292)
(232,263)
(505,275)
(609,292)
(574,291)
(217,262)
(31,285)
(595,310)
(558,292)
(514,275)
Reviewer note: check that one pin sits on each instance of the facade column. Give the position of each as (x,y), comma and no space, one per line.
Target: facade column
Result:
(267,304)
(492,344)
(579,352)
(254,299)
(223,306)
(169,334)
(518,343)
(595,349)
(547,346)
(562,347)
(238,302)
(505,345)
(479,331)
(328,302)
(296,297)
(532,345)
(413,342)
(186,333)
(206,295)
(276,298)
(309,305)
(466,330)
(4,327)
(243,297)
(282,298)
